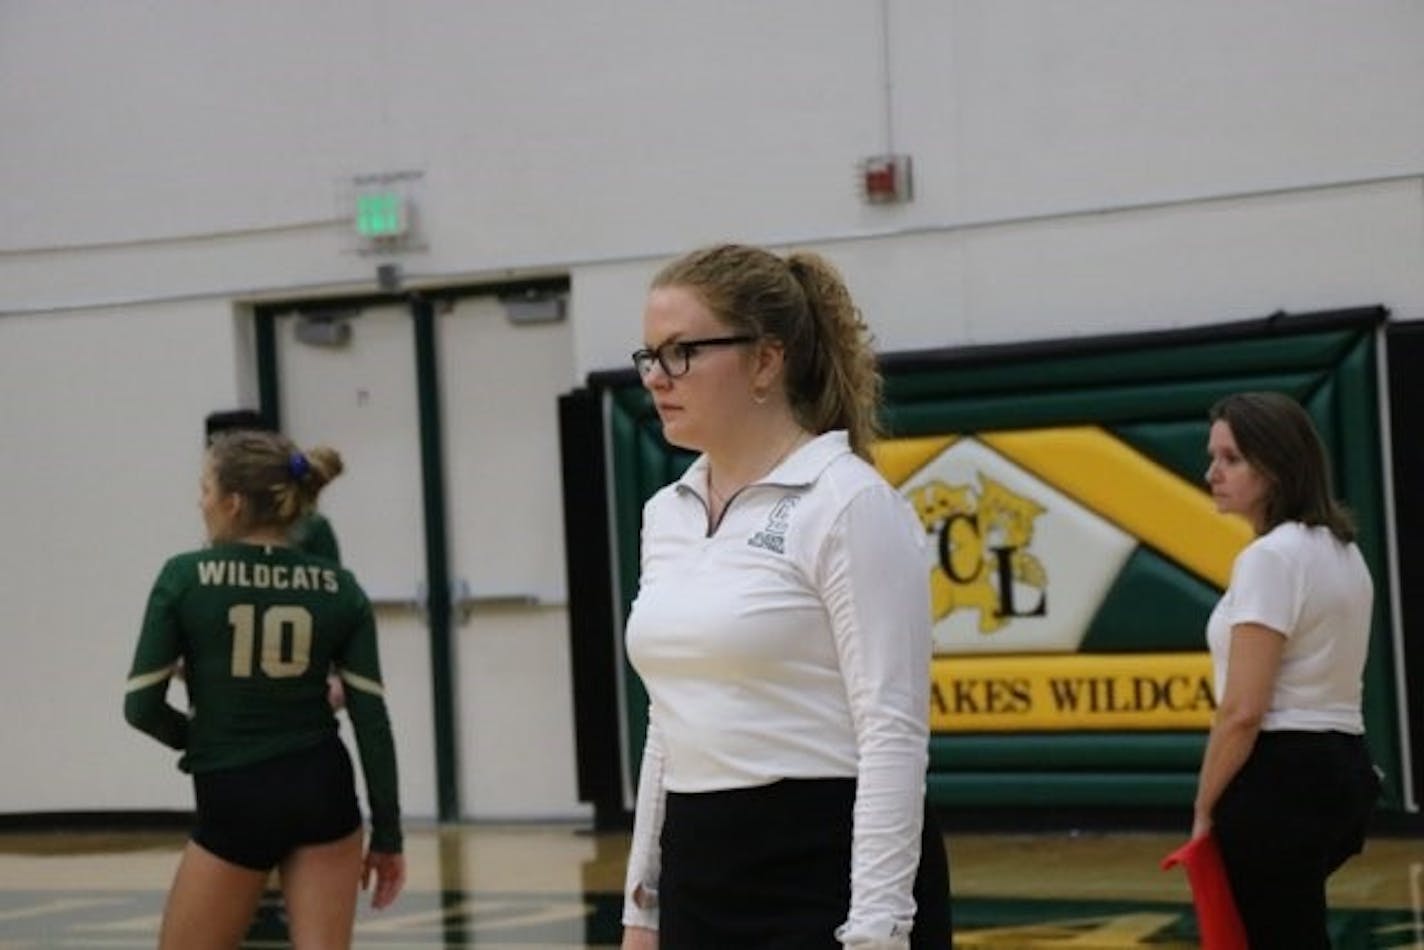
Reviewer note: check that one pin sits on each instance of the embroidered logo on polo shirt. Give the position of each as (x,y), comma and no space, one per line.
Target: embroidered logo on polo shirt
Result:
(773,536)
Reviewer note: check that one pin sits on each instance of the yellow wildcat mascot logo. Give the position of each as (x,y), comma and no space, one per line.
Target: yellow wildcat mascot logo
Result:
(982,551)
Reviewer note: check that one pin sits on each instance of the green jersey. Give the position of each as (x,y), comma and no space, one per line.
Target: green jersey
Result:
(312,534)
(258,628)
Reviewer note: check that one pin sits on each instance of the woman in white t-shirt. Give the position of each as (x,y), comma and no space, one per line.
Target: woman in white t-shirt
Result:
(782,628)
(1286,783)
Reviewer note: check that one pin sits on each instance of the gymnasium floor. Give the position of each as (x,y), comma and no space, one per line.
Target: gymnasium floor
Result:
(523,887)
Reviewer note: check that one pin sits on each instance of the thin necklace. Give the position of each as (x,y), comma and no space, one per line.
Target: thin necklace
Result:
(799,439)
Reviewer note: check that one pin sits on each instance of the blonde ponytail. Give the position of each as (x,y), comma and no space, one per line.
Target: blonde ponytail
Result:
(832,380)
(279,482)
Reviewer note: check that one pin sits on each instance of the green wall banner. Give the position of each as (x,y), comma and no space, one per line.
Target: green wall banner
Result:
(1074,552)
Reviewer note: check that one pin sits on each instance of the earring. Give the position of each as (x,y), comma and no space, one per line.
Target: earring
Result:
(759,396)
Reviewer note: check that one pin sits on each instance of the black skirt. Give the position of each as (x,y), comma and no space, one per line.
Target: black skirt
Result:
(769,868)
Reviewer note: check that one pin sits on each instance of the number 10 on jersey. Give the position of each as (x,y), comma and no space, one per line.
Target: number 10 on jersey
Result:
(286,640)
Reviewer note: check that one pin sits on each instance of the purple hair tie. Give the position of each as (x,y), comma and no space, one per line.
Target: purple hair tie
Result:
(298,465)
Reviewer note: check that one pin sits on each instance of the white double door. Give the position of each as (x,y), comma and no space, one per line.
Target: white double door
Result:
(498,389)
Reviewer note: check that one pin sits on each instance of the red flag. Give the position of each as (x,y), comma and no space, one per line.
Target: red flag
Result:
(1217,919)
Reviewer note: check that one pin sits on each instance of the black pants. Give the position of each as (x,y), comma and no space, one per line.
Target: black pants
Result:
(1295,812)
(768,868)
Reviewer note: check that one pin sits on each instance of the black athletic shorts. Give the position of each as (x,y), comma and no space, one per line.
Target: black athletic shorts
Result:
(256,815)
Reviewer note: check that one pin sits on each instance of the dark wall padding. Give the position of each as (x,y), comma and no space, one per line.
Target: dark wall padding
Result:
(1406,404)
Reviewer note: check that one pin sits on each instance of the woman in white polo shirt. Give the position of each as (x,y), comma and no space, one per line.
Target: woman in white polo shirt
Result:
(782,629)
(1286,782)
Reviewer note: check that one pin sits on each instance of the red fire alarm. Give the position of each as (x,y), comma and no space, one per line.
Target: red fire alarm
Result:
(885,179)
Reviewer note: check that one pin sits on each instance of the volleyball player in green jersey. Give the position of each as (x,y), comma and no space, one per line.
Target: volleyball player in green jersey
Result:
(257,625)
(311,532)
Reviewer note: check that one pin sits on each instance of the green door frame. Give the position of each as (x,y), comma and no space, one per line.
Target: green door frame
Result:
(422,307)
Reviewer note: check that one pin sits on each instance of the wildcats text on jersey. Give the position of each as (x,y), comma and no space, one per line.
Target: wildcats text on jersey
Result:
(267,576)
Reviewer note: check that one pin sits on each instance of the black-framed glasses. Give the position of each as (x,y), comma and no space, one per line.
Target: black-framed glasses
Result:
(675,356)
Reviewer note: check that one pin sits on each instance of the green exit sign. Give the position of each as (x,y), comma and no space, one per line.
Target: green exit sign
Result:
(381,215)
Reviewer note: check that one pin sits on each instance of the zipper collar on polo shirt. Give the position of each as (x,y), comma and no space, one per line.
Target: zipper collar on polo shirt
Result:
(798,470)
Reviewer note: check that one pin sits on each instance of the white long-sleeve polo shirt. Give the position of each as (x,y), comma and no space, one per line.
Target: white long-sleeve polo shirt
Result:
(793,641)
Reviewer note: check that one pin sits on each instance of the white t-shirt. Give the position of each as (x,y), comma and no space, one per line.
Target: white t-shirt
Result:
(794,642)
(1302,582)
